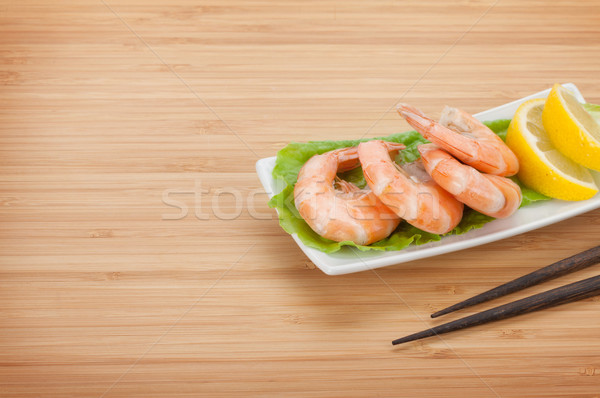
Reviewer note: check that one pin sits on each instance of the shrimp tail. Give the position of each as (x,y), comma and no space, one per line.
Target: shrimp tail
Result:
(402,107)
(393,148)
(428,127)
(435,132)
(418,120)
(347,158)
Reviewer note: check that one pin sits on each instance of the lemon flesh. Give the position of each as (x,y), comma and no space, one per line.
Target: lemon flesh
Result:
(571,128)
(541,165)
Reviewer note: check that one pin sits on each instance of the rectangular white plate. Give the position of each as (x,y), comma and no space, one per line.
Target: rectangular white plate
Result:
(531,217)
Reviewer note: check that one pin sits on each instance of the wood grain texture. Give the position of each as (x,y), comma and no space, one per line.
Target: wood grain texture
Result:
(107,106)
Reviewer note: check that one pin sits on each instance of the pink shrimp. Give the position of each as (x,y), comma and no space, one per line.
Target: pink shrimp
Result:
(414,197)
(466,138)
(495,196)
(347,213)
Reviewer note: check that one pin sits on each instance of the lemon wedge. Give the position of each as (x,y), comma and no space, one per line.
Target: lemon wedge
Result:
(541,166)
(571,128)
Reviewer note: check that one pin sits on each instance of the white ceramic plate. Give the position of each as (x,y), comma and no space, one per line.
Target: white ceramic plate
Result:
(531,217)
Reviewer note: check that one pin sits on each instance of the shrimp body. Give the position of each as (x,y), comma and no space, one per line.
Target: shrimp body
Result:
(418,200)
(345,213)
(466,138)
(495,196)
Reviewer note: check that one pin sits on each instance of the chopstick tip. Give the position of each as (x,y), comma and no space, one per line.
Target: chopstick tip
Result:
(406,339)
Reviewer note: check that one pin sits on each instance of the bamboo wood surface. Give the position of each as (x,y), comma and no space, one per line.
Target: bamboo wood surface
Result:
(110,107)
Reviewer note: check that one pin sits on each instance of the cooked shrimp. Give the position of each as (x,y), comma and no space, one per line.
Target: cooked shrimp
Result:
(413,196)
(466,138)
(347,213)
(488,194)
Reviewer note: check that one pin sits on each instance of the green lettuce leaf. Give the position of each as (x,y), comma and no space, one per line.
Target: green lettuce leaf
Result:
(593,110)
(291,159)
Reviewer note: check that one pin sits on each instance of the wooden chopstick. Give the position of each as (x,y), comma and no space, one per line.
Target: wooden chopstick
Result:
(565,294)
(559,268)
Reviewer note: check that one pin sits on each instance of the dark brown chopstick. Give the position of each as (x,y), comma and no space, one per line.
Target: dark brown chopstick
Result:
(575,291)
(559,268)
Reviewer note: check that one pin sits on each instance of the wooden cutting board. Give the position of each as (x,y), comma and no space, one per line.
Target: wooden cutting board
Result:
(138,256)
